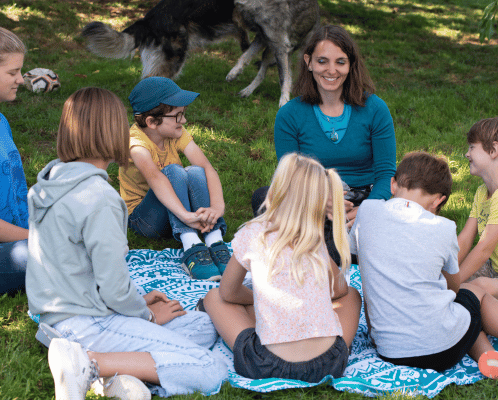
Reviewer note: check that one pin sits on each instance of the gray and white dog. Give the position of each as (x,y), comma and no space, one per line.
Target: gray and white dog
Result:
(281,27)
(168,31)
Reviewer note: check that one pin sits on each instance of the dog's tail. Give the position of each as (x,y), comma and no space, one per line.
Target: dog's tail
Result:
(104,41)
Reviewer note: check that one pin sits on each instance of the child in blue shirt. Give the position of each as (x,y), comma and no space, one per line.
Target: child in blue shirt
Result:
(14,191)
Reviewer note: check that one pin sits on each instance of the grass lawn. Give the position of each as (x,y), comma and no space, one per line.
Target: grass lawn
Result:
(424,56)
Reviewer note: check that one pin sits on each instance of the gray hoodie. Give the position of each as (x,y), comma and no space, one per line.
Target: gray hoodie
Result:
(77,246)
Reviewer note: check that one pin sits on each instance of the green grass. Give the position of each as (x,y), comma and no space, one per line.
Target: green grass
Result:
(424,56)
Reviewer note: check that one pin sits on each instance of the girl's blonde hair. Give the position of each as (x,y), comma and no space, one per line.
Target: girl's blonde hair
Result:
(10,44)
(94,125)
(296,208)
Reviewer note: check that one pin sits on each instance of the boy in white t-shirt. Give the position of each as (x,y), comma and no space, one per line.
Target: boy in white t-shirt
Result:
(419,315)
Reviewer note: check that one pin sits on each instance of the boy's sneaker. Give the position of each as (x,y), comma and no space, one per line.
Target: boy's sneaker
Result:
(123,387)
(72,370)
(197,262)
(488,364)
(220,255)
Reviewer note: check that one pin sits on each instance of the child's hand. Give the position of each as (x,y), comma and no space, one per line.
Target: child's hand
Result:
(165,312)
(154,297)
(192,219)
(209,216)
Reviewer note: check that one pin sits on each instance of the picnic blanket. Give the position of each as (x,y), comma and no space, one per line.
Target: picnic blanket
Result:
(366,372)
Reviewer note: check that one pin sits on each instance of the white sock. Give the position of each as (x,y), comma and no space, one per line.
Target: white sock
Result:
(213,237)
(189,239)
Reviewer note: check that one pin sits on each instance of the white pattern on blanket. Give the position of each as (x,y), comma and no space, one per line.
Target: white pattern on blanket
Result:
(366,372)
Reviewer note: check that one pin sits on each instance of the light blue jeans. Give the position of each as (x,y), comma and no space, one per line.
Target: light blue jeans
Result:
(13,259)
(151,219)
(179,348)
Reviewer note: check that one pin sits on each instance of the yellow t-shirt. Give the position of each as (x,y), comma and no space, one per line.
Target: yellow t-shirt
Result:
(486,212)
(132,185)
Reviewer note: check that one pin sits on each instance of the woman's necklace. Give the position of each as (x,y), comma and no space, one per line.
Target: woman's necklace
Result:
(333,135)
(333,122)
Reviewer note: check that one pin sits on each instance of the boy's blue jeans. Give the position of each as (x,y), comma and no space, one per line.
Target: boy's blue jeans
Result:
(153,220)
(179,348)
(13,259)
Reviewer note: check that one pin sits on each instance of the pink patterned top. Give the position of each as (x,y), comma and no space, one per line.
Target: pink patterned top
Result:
(285,311)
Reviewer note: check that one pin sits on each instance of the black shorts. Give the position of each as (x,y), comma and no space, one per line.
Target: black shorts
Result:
(448,358)
(255,361)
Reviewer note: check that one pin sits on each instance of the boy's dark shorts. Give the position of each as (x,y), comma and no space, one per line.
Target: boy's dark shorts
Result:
(255,361)
(448,358)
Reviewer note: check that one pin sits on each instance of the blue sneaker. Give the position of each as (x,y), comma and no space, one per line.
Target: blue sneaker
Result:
(220,255)
(197,262)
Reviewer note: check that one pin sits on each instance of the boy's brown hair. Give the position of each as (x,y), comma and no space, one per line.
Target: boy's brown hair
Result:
(94,124)
(420,170)
(156,113)
(485,132)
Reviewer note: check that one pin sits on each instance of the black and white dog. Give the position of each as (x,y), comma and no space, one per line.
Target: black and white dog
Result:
(173,27)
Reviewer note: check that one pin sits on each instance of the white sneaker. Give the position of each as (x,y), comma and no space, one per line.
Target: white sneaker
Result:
(72,370)
(123,387)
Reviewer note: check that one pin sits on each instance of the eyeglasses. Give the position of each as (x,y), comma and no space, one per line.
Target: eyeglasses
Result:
(178,116)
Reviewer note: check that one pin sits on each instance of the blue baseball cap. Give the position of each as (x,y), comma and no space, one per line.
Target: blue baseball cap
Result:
(156,90)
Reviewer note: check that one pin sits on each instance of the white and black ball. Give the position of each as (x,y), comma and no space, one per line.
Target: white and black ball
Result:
(41,80)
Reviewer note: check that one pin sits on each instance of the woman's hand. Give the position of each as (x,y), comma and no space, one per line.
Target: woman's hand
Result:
(166,311)
(350,210)
(351,216)
(348,205)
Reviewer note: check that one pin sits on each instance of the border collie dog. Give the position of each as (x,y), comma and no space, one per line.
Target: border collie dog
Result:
(168,31)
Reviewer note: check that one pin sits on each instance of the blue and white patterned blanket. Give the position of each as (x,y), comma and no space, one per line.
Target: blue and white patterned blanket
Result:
(366,372)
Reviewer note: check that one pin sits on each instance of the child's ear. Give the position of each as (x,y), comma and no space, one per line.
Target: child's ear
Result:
(394,186)
(433,208)
(150,121)
(494,150)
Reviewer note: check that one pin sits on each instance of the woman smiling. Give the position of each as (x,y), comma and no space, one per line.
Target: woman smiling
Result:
(338,120)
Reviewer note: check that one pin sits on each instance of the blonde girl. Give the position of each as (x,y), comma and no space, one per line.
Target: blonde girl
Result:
(78,280)
(301,317)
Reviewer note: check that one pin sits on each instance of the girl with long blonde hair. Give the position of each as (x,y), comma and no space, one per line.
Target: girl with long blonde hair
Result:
(300,319)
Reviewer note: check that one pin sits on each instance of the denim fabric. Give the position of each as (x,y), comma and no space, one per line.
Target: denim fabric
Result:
(182,364)
(13,259)
(153,220)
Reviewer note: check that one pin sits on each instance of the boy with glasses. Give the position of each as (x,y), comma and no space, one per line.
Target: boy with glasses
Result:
(164,199)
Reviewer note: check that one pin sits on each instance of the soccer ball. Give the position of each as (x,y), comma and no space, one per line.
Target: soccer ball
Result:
(41,80)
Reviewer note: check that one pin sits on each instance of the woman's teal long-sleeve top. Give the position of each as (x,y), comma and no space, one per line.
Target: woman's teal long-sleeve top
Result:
(366,155)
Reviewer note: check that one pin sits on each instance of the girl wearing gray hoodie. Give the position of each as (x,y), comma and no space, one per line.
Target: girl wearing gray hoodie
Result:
(77,278)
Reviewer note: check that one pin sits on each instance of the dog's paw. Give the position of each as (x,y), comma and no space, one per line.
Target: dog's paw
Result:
(246,92)
(284,98)
(231,76)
